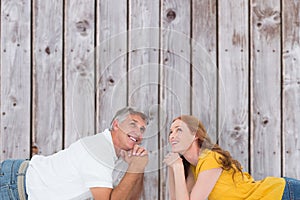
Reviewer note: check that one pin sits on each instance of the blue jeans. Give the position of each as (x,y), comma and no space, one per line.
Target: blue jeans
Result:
(8,179)
(292,189)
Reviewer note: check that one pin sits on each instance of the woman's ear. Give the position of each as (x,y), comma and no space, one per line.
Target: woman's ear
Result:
(195,136)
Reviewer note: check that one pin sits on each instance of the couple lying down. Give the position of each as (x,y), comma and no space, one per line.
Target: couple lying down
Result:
(198,169)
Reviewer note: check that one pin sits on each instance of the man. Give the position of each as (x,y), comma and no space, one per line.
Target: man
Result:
(83,170)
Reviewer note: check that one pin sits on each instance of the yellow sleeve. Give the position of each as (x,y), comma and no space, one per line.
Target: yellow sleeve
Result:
(208,161)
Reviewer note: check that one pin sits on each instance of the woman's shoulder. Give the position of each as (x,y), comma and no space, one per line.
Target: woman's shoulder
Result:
(208,159)
(207,154)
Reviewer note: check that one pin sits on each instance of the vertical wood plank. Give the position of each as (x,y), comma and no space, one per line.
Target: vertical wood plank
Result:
(174,74)
(204,69)
(48,77)
(266,89)
(79,70)
(291,88)
(143,80)
(15,79)
(234,78)
(111,60)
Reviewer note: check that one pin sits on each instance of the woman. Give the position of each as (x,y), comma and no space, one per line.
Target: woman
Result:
(199,169)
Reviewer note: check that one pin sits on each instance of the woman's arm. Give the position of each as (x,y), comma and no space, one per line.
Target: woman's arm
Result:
(181,191)
(205,183)
(171,184)
(190,181)
(177,183)
(202,188)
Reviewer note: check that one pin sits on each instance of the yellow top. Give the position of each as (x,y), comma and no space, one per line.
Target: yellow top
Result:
(241,187)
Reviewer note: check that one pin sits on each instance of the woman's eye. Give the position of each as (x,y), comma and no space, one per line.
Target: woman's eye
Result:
(179,130)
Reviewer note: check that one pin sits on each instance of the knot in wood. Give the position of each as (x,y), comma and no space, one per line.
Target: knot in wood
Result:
(82,69)
(237,128)
(265,121)
(171,15)
(268,21)
(111,81)
(82,27)
(47,50)
(237,136)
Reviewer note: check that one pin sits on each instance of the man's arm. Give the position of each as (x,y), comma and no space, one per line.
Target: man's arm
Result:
(127,189)
(131,185)
(138,189)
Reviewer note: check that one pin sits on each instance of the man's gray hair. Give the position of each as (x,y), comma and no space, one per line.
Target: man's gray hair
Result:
(122,114)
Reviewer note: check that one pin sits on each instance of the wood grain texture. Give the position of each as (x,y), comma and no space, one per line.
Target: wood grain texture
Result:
(111,60)
(15,79)
(291,88)
(175,71)
(265,89)
(79,70)
(204,64)
(143,80)
(221,61)
(48,76)
(233,84)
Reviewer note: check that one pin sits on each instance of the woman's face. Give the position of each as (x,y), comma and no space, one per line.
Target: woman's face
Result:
(180,137)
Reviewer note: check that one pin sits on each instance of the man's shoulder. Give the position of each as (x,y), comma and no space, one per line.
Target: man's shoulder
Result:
(102,138)
(99,147)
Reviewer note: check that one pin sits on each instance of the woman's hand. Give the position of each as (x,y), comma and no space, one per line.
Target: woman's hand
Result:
(172,159)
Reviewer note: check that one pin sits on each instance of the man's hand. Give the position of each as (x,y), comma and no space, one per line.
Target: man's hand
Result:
(137,159)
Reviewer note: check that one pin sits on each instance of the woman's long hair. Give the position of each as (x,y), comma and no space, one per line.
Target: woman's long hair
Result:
(195,125)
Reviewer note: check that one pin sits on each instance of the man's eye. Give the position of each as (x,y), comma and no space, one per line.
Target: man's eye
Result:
(179,130)
(132,124)
(142,130)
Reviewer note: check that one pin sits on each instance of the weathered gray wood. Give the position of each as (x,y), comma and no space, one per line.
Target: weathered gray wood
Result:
(174,74)
(15,79)
(143,80)
(233,87)
(48,77)
(79,70)
(111,65)
(266,89)
(64,77)
(291,88)
(204,69)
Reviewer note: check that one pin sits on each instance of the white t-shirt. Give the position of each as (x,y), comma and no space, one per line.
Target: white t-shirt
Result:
(68,174)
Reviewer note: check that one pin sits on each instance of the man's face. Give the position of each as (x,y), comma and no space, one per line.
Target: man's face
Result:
(130,131)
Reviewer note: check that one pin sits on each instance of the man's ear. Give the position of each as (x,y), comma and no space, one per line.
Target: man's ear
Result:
(115,125)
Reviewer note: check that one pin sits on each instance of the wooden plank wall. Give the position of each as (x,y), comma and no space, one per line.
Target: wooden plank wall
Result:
(67,66)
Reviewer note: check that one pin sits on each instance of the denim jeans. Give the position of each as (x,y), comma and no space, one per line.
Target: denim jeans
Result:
(292,189)
(8,179)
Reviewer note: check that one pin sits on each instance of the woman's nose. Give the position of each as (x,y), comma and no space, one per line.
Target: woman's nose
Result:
(171,136)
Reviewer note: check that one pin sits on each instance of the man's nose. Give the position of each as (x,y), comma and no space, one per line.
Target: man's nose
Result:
(139,132)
